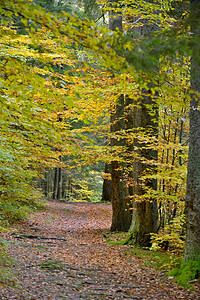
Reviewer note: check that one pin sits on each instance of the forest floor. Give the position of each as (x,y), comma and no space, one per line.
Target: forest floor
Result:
(61,253)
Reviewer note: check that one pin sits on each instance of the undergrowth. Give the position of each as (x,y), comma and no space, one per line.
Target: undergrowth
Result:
(7,277)
(15,210)
(187,273)
(159,260)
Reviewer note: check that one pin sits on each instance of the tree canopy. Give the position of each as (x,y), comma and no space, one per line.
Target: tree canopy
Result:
(62,75)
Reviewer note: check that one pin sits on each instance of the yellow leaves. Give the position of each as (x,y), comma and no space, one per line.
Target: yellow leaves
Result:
(155,12)
(56,86)
(171,233)
(16,46)
(106,176)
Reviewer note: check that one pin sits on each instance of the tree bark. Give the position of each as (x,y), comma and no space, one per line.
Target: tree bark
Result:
(107,186)
(145,213)
(192,205)
(58,184)
(121,217)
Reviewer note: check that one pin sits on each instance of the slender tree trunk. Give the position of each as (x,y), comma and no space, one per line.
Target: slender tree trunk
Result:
(63,185)
(55,184)
(58,184)
(69,189)
(192,206)
(59,192)
(107,186)
(129,124)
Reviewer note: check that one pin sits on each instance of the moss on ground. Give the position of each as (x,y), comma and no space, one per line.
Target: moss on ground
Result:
(52,265)
(187,273)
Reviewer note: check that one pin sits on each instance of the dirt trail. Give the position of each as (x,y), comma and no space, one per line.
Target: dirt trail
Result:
(61,254)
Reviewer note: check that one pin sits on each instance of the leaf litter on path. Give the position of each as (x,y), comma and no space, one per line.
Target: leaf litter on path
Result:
(61,253)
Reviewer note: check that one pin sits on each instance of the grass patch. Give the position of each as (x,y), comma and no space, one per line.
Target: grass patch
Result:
(159,260)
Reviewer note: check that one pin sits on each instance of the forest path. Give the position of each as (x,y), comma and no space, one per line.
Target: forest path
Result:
(61,253)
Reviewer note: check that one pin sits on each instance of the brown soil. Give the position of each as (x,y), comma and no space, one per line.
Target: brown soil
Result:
(61,253)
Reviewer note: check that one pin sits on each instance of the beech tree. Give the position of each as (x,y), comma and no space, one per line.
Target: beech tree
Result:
(192,206)
(111,69)
(121,217)
(145,117)
(144,220)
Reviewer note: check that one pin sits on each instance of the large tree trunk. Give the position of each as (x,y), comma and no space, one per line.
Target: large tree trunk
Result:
(192,208)
(121,217)
(145,214)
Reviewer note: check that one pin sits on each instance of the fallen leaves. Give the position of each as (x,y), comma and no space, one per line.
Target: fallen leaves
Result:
(72,259)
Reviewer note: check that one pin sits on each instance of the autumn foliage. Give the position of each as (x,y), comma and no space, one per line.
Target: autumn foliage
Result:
(61,77)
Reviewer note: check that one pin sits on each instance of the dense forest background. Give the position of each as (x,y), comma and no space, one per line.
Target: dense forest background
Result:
(95,101)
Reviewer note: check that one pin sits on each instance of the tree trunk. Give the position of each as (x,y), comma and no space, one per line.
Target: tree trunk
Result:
(55,185)
(145,213)
(121,217)
(145,216)
(107,186)
(192,206)
(59,194)
(57,188)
